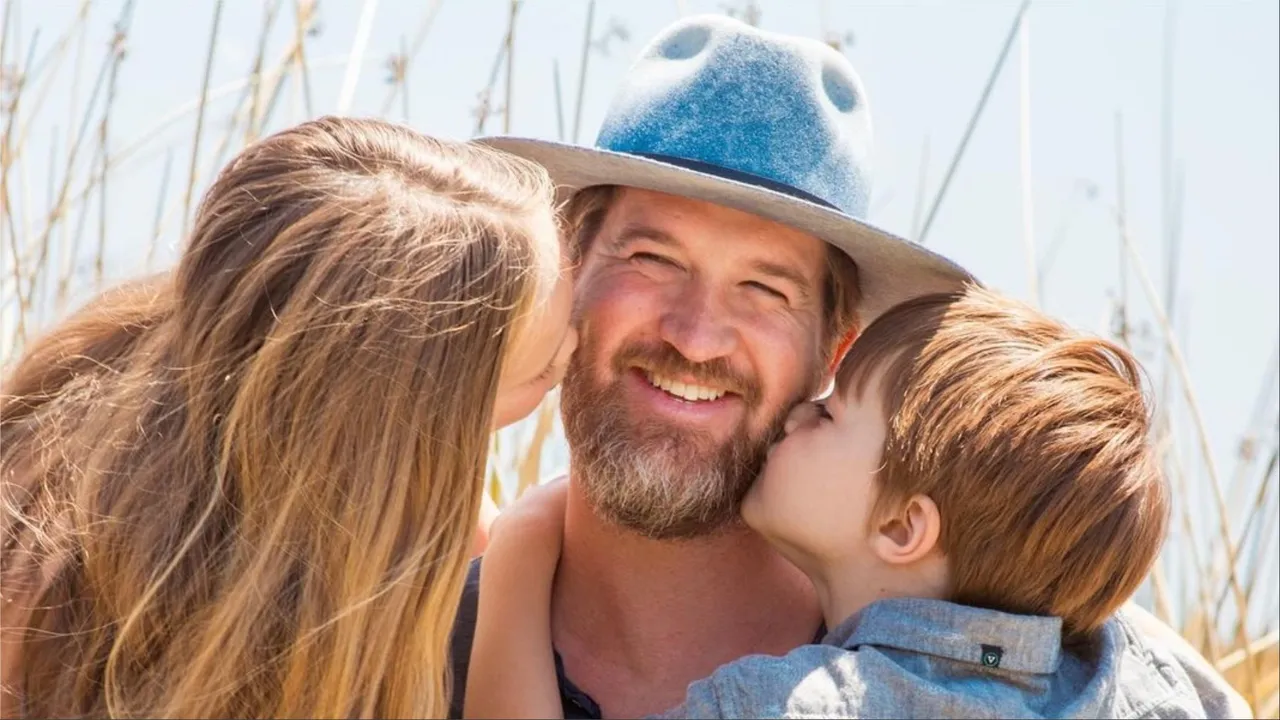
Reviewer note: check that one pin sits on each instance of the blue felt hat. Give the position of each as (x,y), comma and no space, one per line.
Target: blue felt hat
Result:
(775,125)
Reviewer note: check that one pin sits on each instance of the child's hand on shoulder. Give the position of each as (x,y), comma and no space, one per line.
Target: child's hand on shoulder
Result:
(513,616)
(533,527)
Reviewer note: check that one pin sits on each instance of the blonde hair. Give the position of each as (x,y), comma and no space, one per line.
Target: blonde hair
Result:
(1032,439)
(247,488)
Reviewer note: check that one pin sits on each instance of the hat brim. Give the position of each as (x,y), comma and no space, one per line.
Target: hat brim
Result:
(891,269)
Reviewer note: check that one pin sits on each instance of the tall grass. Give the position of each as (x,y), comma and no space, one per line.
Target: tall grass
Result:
(1216,582)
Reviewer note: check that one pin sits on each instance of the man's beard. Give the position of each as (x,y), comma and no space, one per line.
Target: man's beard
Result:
(660,479)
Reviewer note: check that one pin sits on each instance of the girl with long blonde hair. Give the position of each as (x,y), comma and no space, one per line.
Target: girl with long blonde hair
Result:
(247,488)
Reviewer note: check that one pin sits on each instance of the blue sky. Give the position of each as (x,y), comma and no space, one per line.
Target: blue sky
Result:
(923,65)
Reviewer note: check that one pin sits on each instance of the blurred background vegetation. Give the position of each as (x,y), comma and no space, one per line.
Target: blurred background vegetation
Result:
(1154,184)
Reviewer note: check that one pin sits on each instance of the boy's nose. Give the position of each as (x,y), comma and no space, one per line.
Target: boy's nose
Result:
(570,342)
(800,416)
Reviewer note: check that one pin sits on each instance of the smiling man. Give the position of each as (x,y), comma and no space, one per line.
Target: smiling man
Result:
(726,263)
(695,354)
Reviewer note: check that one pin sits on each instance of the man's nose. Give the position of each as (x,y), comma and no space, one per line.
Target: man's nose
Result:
(801,415)
(699,327)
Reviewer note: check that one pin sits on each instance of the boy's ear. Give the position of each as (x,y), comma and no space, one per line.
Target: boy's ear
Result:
(909,533)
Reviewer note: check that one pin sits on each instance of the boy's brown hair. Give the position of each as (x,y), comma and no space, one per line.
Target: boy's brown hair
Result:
(1033,441)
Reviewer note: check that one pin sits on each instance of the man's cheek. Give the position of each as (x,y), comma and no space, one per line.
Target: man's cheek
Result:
(604,305)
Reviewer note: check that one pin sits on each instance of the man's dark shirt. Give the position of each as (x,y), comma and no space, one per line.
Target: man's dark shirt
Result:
(577,704)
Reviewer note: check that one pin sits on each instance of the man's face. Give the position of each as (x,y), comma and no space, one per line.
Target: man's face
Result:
(700,327)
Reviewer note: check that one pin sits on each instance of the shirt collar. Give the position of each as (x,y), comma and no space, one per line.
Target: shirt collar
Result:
(986,638)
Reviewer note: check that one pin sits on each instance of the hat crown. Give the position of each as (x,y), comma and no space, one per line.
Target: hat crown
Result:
(717,92)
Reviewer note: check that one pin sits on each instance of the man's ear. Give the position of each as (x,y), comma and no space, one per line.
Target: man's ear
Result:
(829,377)
(909,533)
(842,349)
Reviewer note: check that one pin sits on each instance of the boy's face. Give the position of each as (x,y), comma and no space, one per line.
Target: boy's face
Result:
(813,500)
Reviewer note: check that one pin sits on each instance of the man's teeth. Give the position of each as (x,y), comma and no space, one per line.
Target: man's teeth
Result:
(685,391)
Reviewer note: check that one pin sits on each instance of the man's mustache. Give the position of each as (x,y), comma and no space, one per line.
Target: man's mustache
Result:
(663,359)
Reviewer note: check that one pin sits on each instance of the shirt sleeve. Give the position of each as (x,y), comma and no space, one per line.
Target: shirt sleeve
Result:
(1217,697)
(760,686)
(701,701)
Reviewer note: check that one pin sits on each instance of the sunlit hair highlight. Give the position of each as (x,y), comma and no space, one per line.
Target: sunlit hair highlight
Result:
(246,488)
(1033,440)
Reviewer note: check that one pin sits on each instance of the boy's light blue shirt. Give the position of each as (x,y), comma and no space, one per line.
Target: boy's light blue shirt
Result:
(909,657)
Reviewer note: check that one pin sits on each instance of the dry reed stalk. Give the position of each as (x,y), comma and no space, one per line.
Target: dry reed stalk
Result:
(973,122)
(243,112)
(1161,606)
(55,56)
(1175,356)
(1024,158)
(364,26)
(6,152)
(511,58)
(76,238)
(65,241)
(529,468)
(582,69)
(407,58)
(156,226)
(1209,644)
(117,49)
(5,24)
(404,81)
(144,139)
(555,75)
(57,212)
(1256,508)
(51,169)
(204,96)
(1123,220)
(1266,654)
(1166,157)
(247,107)
(273,99)
(922,181)
(1270,708)
(255,75)
(484,109)
(1260,417)
(494,482)
(303,14)
(1266,535)
(278,76)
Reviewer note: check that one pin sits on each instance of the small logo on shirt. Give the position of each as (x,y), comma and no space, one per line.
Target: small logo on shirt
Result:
(991,655)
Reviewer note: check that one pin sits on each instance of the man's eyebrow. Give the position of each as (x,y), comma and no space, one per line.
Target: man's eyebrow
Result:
(803,285)
(640,231)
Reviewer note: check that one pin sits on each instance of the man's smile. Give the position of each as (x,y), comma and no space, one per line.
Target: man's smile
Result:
(710,407)
(690,391)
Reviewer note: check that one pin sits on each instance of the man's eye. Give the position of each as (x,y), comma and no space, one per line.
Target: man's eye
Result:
(766,289)
(647,257)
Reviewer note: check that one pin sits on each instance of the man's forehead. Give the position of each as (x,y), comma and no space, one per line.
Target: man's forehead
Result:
(679,217)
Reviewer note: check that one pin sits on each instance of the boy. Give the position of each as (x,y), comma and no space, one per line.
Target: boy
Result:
(973,503)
